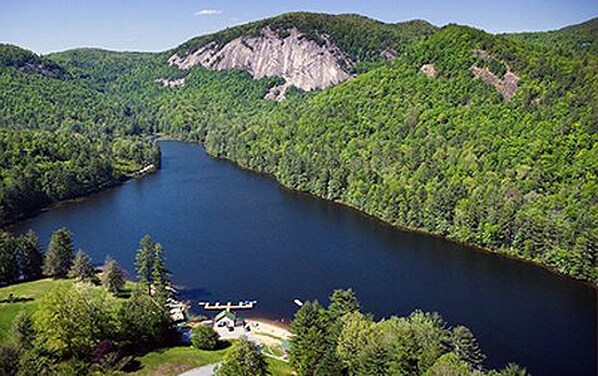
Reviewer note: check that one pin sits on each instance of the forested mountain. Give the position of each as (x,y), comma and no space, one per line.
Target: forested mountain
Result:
(59,139)
(362,39)
(577,38)
(486,139)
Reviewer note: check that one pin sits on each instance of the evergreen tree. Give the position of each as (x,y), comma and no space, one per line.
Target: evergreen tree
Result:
(511,369)
(160,275)
(354,337)
(82,269)
(23,332)
(113,277)
(59,257)
(9,359)
(341,303)
(9,262)
(244,359)
(374,358)
(466,347)
(31,256)
(144,261)
(310,343)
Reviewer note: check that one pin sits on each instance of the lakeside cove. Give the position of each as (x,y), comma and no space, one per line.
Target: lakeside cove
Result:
(236,234)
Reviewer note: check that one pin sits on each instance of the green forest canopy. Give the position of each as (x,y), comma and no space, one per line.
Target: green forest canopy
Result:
(447,155)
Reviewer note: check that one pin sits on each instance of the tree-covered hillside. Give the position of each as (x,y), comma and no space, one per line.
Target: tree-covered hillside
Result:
(489,140)
(59,139)
(577,38)
(446,154)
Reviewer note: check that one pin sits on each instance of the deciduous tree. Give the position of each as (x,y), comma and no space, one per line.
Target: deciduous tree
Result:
(244,359)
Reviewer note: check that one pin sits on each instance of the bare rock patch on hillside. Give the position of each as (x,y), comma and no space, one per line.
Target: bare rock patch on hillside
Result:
(507,86)
(301,62)
(171,83)
(428,70)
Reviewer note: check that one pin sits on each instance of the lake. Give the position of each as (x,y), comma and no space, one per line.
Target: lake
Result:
(230,234)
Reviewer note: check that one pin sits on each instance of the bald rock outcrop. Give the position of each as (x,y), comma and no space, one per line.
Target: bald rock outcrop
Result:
(301,62)
(507,86)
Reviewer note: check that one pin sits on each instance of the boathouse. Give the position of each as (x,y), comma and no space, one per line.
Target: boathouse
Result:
(228,319)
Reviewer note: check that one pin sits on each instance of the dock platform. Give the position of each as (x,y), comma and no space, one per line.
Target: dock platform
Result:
(247,304)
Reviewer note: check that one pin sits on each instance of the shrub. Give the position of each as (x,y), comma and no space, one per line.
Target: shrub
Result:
(205,338)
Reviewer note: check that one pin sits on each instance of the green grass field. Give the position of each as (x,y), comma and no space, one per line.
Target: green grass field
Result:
(174,360)
(279,368)
(27,296)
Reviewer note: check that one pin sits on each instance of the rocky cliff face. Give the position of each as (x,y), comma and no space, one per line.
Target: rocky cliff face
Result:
(301,62)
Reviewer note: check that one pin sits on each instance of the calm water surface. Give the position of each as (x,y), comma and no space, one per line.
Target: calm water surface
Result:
(231,234)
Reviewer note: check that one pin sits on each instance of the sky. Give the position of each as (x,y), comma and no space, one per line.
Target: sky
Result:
(151,25)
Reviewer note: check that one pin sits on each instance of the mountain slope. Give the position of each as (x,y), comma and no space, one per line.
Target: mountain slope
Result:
(447,154)
(28,62)
(582,37)
(485,139)
(58,136)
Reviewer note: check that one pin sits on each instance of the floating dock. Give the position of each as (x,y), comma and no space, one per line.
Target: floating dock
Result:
(247,304)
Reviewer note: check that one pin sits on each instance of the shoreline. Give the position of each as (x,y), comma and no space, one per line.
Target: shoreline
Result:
(472,247)
(271,322)
(145,171)
(169,138)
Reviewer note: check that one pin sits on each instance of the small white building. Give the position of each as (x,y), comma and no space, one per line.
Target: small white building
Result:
(225,318)
(228,319)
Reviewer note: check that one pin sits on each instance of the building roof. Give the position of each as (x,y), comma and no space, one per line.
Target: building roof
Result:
(227,314)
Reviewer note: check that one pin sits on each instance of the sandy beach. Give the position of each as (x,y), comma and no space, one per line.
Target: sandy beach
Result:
(269,332)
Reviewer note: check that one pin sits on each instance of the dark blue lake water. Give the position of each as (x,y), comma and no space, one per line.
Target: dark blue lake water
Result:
(230,234)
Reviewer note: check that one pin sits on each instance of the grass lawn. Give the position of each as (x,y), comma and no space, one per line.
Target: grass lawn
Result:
(175,360)
(28,295)
(279,368)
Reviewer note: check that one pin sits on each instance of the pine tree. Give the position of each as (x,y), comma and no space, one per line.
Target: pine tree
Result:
(160,274)
(82,268)
(245,358)
(466,347)
(31,256)
(144,260)
(310,343)
(341,303)
(374,358)
(113,277)
(59,257)
(9,262)
(353,338)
